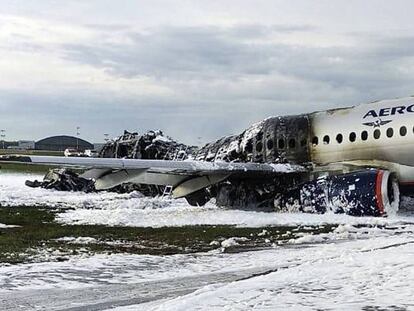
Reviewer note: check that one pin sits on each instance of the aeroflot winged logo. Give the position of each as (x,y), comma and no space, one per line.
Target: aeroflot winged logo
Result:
(386,112)
(377,123)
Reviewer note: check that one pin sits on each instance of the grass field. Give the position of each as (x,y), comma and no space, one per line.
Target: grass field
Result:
(38,231)
(21,167)
(31,152)
(24,168)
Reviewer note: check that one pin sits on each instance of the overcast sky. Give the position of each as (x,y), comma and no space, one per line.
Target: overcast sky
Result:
(194,68)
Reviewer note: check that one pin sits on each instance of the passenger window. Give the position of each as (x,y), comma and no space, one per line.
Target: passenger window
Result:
(315,141)
(364,135)
(259,147)
(281,143)
(377,134)
(403,131)
(339,138)
(352,137)
(269,144)
(292,143)
(390,132)
(326,139)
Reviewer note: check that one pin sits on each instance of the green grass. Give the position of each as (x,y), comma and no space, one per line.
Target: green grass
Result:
(39,230)
(27,168)
(31,152)
(24,168)
(30,168)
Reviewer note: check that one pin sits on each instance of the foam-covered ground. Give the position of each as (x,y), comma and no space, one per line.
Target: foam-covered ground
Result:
(134,210)
(374,273)
(353,276)
(351,268)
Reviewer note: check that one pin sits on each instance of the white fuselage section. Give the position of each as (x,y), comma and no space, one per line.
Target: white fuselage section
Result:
(379,134)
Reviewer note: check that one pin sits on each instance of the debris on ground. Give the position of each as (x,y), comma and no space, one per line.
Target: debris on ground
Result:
(63,180)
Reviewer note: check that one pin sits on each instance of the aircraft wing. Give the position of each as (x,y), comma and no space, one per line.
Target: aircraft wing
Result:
(184,176)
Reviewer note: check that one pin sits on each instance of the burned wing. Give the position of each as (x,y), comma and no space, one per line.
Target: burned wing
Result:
(184,177)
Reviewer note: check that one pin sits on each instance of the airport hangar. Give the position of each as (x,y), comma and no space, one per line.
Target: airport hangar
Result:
(60,143)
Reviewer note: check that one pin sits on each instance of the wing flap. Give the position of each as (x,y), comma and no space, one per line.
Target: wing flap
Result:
(116,178)
(195,184)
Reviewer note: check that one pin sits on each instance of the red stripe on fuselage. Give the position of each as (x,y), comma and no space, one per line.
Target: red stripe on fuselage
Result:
(378,192)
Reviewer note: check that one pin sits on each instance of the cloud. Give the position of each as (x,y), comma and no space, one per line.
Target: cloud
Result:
(198,80)
(194,59)
(187,51)
(201,50)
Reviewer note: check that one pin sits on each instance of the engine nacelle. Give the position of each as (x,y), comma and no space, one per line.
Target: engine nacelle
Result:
(364,193)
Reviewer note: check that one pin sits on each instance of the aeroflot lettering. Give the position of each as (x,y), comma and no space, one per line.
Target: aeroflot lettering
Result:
(384,112)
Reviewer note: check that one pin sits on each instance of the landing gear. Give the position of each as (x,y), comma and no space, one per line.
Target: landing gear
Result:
(198,198)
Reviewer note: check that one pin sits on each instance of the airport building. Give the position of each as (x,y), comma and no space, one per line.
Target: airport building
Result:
(60,143)
(25,145)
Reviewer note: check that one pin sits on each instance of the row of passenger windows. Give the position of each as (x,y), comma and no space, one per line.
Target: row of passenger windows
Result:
(281,143)
(364,136)
(292,143)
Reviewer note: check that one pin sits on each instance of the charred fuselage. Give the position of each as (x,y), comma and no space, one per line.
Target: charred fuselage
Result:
(357,156)
(273,140)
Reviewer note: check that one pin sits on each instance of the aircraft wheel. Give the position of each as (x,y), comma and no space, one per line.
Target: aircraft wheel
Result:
(198,198)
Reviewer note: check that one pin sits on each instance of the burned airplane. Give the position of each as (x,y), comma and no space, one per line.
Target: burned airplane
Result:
(351,160)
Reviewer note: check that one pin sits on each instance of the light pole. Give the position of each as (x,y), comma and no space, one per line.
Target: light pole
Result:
(77,138)
(3,136)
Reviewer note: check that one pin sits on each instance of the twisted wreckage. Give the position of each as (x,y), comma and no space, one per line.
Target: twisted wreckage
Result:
(151,145)
(352,160)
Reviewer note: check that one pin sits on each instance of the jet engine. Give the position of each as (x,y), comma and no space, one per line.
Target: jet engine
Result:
(371,192)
